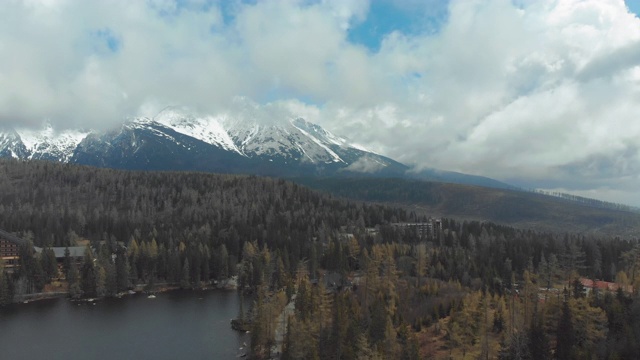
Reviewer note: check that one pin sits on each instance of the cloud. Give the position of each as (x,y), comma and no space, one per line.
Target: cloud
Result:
(610,64)
(78,63)
(537,94)
(534,92)
(365,165)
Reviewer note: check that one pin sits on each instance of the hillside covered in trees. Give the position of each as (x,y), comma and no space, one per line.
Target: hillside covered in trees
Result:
(552,212)
(361,286)
(174,227)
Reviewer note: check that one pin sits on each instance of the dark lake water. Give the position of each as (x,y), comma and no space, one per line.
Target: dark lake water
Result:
(175,325)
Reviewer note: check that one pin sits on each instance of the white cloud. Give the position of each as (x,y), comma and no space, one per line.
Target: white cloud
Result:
(347,12)
(365,165)
(72,61)
(542,92)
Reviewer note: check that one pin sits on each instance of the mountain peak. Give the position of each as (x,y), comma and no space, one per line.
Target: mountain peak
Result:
(209,129)
(11,145)
(45,143)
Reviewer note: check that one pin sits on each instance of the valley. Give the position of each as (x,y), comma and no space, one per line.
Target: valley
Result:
(360,279)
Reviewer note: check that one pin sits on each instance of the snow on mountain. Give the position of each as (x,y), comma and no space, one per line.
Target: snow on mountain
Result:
(146,124)
(11,145)
(246,139)
(282,141)
(328,137)
(320,141)
(208,129)
(46,144)
(287,140)
(49,144)
(246,133)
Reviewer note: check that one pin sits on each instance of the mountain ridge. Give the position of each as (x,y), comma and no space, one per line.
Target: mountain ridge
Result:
(249,140)
(178,138)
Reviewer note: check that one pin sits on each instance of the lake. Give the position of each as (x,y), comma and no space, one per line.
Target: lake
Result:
(174,325)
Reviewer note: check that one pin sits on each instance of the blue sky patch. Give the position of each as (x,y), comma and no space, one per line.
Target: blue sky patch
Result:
(407,17)
(634,6)
(229,9)
(107,41)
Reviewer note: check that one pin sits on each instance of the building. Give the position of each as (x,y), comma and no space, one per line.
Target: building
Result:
(589,285)
(76,254)
(427,229)
(10,249)
(8,253)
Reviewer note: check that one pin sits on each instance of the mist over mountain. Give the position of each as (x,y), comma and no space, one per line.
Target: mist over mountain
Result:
(247,141)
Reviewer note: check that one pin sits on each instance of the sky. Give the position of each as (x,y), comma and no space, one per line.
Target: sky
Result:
(538,93)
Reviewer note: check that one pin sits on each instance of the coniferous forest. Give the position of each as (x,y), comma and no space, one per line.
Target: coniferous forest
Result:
(357,285)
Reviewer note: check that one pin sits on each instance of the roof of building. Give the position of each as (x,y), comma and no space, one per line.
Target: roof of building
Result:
(74,251)
(604,285)
(58,251)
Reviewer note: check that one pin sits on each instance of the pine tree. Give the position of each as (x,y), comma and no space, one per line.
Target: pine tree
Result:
(111,281)
(66,264)
(516,348)
(364,350)
(538,339)
(223,256)
(303,299)
(185,280)
(5,296)
(73,281)
(122,271)
(565,334)
(101,281)
(88,280)
(499,322)
(410,348)
(48,263)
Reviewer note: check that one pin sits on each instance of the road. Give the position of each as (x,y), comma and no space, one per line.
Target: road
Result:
(281,328)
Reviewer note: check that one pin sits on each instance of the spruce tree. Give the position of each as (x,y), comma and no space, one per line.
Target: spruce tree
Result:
(565,334)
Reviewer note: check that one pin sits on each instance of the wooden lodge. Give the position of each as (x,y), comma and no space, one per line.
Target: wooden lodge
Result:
(10,251)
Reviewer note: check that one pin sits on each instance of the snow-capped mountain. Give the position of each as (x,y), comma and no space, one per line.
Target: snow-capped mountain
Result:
(11,145)
(209,129)
(178,139)
(45,144)
(288,141)
(246,141)
(49,144)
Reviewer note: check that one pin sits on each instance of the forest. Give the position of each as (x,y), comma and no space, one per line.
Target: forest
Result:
(551,212)
(362,287)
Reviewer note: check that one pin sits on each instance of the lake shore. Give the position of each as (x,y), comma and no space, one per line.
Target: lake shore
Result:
(227,284)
